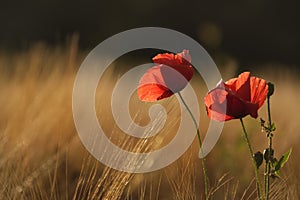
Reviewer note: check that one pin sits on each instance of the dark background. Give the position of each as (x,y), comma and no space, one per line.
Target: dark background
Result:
(252,31)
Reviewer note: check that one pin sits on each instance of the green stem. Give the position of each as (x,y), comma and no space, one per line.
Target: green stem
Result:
(268,170)
(269,112)
(259,190)
(266,179)
(267,175)
(200,143)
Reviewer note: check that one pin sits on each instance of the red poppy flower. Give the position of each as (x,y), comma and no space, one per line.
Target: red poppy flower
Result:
(236,98)
(171,74)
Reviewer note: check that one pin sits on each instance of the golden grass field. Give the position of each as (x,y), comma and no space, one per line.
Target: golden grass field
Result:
(41,156)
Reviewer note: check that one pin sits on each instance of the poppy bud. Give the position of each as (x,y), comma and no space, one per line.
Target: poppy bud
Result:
(271,89)
(268,155)
(258,157)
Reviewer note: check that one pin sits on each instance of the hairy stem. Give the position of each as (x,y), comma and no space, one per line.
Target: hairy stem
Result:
(201,151)
(259,187)
(267,175)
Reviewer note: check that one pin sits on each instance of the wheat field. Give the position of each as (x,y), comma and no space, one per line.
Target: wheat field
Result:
(41,155)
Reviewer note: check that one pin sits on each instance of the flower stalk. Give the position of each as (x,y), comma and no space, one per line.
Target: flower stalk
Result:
(258,183)
(204,169)
(269,135)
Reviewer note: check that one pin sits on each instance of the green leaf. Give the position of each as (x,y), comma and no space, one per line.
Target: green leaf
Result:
(274,162)
(273,127)
(258,157)
(282,160)
(277,173)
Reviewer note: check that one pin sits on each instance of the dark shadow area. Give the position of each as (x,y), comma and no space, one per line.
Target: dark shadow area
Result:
(251,31)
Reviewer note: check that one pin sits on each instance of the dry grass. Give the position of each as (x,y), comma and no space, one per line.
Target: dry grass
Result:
(41,156)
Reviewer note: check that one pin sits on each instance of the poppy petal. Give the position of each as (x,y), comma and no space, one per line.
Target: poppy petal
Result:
(173,79)
(170,76)
(152,86)
(241,85)
(222,105)
(180,62)
(215,102)
(170,59)
(236,98)
(165,59)
(259,90)
(153,92)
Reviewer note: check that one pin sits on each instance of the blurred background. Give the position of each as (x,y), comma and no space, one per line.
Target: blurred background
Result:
(252,31)
(43,43)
